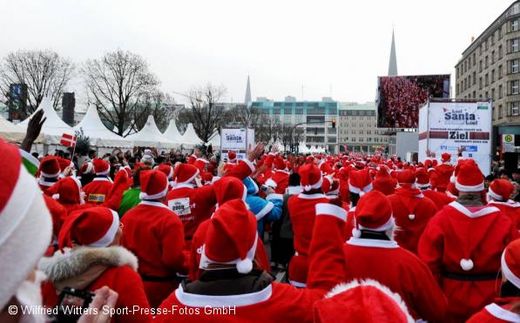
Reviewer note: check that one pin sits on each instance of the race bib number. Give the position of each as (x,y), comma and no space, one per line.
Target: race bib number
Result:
(96,198)
(180,206)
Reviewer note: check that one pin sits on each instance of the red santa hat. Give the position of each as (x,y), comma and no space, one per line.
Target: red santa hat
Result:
(445,157)
(86,168)
(185,173)
(406,177)
(422,178)
(330,185)
(167,169)
(64,163)
(383,182)
(231,237)
(359,181)
(67,191)
(93,227)
(510,262)
(469,178)
(501,189)
(25,223)
(200,163)
(229,188)
(49,167)
(232,156)
(310,177)
(101,166)
(356,301)
(373,212)
(154,185)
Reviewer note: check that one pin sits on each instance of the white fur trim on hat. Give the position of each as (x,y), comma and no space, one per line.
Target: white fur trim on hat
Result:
(343,287)
(144,196)
(495,195)
(109,236)
(271,183)
(106,172)
(357,190)
(244,266)
(508,274)
(314,186)
(50,175)
(25,215)
(469,188)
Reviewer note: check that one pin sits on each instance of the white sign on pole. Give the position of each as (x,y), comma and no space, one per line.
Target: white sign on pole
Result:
(237,140)
(446,126)
(508,143)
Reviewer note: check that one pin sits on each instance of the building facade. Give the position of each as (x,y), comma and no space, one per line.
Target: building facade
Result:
(357,128)
(316,118)
(490,68)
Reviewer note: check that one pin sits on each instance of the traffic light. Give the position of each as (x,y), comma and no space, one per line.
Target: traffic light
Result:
(333,123)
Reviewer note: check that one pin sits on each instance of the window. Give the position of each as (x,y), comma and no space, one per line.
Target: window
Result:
(474,59)
(514,45)
(514,66)
(469,80)
(493,94)
(499,72)
(492,76)
(487,61)
(500,112)
(487,95)
(480,83)
(480,66)
(499,32)
(474,78)
(515,108)
(487,79)
(500,91)
(515,87)
(458,90)
(514,25)
(500,53)
(493,57)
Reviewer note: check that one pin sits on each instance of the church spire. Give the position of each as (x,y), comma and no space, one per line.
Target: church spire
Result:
(392,65)
(247,99)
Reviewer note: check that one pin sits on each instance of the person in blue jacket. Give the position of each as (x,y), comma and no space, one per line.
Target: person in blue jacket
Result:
(265,210)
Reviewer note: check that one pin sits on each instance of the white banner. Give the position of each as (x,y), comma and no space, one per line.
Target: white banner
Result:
(233,139)
(446,126)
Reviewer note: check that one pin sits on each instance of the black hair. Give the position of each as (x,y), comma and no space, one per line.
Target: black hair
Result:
(294,179)
(509,290)
(354,198)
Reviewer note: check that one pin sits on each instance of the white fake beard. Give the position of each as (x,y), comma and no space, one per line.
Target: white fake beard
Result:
(29,295)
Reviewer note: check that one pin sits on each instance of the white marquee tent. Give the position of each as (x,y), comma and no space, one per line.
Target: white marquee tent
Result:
(150,136)
(53,128)
(10,132)
(215,140)
(190,137)
(99,135)
(172,133)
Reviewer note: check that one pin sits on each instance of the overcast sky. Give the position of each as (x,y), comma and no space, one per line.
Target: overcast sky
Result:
(331,48)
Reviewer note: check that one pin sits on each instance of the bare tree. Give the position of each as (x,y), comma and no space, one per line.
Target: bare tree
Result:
(159,104)
(206,111)
(119,84)
(44,72)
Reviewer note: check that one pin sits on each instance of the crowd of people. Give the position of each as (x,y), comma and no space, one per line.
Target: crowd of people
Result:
(270,238)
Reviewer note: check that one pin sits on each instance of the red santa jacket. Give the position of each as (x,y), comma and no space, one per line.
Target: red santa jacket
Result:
(497,312)
(302,215)
(276,302)
(511,209)
(439,198)
(193,204)
(398,269)
(97,191)
(156,236)
(411,211)
(444,172)
(92,268)
(462,246)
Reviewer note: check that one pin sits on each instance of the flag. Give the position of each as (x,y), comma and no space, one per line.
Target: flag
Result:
(68,140)
(30,162)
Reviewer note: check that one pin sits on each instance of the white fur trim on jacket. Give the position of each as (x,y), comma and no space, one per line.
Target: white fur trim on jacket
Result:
(331,210)
(343,287)
(73,262)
